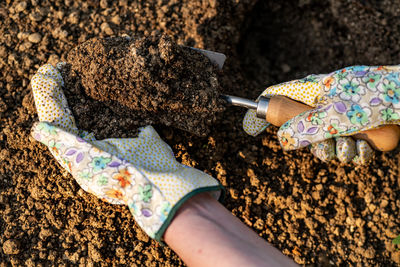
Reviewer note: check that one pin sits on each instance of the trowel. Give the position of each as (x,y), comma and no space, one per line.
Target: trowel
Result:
(279,109)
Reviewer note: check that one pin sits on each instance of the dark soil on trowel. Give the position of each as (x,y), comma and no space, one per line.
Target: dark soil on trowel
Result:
(115,85)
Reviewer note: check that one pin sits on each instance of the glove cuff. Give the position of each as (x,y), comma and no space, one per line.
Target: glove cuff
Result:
(217,191)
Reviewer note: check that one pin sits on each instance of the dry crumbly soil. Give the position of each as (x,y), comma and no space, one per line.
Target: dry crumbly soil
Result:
(317,213)
(115,85)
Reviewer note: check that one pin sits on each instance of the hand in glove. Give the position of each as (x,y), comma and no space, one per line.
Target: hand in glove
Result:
(345,102)
(140,172)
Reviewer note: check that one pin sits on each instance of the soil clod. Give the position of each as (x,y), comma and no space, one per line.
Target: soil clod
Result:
(11,246)
(140,81)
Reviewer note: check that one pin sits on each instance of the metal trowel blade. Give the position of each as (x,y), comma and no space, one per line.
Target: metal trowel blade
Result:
(215,57)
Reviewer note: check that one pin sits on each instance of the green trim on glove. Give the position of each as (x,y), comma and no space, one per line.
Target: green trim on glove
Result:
(171,215)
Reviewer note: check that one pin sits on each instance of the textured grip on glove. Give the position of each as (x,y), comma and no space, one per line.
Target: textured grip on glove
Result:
(51,103)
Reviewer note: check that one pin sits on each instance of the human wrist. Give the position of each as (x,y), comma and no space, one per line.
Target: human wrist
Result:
(199,205)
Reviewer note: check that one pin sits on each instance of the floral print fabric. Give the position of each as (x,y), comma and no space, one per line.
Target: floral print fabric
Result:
(139,172)
(346,102)
(352,100)
(105,175)
(304,90)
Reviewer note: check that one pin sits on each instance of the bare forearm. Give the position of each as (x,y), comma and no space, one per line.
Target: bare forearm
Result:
(204,233)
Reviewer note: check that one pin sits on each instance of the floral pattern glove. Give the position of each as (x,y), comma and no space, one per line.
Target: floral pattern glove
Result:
(346,102)
(140,172)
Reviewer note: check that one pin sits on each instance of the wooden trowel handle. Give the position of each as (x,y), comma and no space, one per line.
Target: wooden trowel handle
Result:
(281,109)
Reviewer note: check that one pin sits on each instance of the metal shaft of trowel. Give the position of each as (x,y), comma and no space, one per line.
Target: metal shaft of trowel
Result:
(261,106)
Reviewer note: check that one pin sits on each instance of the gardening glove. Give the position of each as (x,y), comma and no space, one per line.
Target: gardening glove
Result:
(140,172)
(346,102)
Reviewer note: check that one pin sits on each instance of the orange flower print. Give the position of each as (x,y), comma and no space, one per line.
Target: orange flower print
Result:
(113,193)
(328,81)
(69,165)
(124,177)
(54,146)
(287,141)
(332,130)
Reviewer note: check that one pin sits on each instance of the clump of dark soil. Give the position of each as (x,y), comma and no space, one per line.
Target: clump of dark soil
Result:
(114,85)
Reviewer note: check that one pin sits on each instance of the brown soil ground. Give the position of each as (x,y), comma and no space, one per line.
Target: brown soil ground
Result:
(318,214)
(115,85)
